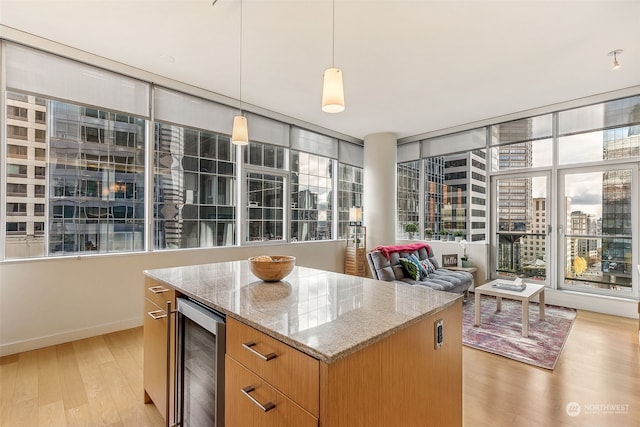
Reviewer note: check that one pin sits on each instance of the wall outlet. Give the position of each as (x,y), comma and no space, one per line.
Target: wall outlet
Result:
(438,333)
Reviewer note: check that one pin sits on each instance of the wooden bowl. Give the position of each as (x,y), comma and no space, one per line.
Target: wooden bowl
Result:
(271,268)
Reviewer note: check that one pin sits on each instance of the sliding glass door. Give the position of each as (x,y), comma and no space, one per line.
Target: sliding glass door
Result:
(595,240)
(522,226)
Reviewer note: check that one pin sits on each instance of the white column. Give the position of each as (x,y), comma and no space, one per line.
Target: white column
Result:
(379,198)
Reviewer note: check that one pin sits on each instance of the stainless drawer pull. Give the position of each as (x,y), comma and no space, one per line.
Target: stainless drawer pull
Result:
(157,314)
(266,407)
(265,357)
(158,289)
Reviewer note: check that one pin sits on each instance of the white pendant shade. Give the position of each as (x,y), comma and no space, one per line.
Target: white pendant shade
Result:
(240,133)
(332,91)
(355,214)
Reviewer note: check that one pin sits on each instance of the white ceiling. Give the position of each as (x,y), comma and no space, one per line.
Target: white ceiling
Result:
(409,67)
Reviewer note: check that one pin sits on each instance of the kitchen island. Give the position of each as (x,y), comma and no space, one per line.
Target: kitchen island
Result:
(351,350)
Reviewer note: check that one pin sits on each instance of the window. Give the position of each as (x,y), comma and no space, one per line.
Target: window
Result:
(16,132)
(408,197)
(16,170)
(17,97)
(195,188)
(16,189)
(38,227)
(265,206)
(446,192)
(17,151)
(17,228)
(311,197)
(93,134)
(351,189)
(597,248)
(16,208)
(455,194)
(40,135)
(266,155)
(41,116)
(17,113)
(82,167)
(103,205)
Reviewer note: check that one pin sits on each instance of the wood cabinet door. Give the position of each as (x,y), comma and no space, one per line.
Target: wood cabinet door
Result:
(242,411)
(155,358)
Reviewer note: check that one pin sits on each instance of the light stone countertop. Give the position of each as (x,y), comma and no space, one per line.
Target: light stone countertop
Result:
(323,314)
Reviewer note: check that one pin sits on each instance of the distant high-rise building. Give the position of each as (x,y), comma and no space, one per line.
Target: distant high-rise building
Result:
(584,224)
(434,194)
(408,195)
(464,195)
(533,246)
(26,175)
(620,143)
(514,195)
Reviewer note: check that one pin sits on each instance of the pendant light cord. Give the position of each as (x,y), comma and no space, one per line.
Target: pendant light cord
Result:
(333,33)
(241,32)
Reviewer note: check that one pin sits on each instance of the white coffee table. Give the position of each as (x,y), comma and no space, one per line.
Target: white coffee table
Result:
(524,296)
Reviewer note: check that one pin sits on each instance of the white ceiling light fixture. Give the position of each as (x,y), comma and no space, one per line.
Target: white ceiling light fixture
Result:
(240,132)
(332,89)
(615,54)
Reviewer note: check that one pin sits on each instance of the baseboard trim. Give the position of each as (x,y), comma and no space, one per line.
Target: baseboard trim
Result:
(604,304)
(78,334)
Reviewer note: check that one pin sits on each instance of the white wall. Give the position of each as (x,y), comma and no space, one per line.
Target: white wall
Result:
(50,301)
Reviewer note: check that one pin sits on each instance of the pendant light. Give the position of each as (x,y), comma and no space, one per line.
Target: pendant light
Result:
(332,90)
(240,132)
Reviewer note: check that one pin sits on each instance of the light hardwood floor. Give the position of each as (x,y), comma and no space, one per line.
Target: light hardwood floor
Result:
(98,382)
(91,382)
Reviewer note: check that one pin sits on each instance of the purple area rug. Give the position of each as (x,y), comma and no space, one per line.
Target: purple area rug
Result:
(501,333)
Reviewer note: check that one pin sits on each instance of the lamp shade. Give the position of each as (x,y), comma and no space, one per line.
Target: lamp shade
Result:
(355,214)
(332,91)
(240,132)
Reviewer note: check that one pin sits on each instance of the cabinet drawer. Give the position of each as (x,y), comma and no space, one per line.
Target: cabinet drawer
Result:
(245,392)
(159,294)
(292,372)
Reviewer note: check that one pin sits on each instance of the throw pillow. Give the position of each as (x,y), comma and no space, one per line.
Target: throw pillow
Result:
(434,261)
(422,272)
(411,268)
(425,265)
(428,265)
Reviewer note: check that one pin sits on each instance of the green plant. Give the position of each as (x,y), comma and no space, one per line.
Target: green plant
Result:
(411,228)
(444,232)
(458,233)
(428,232)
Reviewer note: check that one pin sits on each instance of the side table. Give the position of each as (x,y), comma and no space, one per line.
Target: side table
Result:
(525,296)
